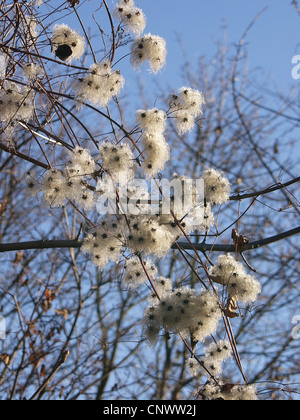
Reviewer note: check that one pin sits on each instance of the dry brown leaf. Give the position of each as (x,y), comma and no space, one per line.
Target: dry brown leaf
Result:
(231,308)
(3,206)
(43,371)
(18,258)
(62,312)
(4,357)
(50,295)
(240,241)
(61,392)
(74,3)
(227,388)
(218,279)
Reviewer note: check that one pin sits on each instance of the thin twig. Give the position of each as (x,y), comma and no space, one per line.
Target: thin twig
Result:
(269,190)
(20,155)
(113,50)
(86,35)
(58,365)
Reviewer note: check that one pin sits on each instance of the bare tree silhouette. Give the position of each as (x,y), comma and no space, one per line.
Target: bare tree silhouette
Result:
(88,314)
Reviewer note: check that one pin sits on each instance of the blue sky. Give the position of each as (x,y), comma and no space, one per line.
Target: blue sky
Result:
(271,44)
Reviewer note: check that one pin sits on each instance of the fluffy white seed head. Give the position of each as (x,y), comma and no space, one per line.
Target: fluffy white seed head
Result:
(149,237)
(207,319)
(32,71)
(217,187)
(163,286)
(151,325)
(156,149)
(229,392)
(211,364)
(246,288)
(168,222)
(33,186)
(53,187)
(193,367)
(104,244)
(80,163)
(16,103)
(99,85)
(201,217)
(231,274)
(185,107)
(191,100)
(117,159)
(219,352)
(184,121)
(67,44)
(30,29)
(187,312)
(85,199)
(152,120)
(211,392)
(60,186)
(227,267)
(137,195)
(135,274)
(210,367)
(156,153)
(243,393)
(150,48)
(131,16)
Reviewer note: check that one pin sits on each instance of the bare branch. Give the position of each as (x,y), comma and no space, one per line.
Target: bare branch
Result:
(58,365)
(269,190)
(203,247)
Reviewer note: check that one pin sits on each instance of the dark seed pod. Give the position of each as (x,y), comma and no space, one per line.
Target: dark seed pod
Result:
(63,52)
(74,3)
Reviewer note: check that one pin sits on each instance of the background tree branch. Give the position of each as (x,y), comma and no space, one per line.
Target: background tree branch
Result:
(203,247)
(54,298)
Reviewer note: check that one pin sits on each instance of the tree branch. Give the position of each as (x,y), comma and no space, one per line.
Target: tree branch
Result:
(14,152)
(74,243)
(60,362)
(269,190)
(232,248)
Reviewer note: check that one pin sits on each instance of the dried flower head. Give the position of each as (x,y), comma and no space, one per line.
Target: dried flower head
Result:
(99,85)
(131,16)
(186,106)
(104,244)
(135,274)
(229,392)
(156,153)
(66,43)
(117,159)
(150,48)
(232,275)
(16,103)
(217,187)
(187,312)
